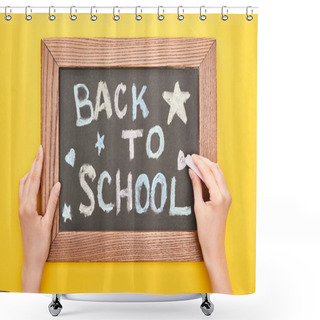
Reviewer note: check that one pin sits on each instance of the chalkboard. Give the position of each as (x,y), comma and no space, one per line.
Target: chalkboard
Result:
(124,197)
(164,199)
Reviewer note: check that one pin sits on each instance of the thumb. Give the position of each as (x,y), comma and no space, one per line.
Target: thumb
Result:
(197,189)
(52,203)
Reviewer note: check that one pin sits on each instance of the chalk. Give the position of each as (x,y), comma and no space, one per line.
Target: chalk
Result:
(191,165)
(70,157)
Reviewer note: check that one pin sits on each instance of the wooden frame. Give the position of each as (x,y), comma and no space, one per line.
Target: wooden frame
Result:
(123,52)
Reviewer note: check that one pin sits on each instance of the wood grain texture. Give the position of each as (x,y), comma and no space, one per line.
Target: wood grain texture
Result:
(76,246)
(208,109)
(128,52)
(208,105)
(126,246)
(49,130)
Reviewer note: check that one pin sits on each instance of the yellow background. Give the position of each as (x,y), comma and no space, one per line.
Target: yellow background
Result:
(20,113)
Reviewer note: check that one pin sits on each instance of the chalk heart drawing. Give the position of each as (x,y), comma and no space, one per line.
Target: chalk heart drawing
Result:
(70,157)
(181,161)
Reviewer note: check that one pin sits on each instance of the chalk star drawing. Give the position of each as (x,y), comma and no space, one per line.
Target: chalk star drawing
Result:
(99,143)
(176,100)
(70,157)
(66,213)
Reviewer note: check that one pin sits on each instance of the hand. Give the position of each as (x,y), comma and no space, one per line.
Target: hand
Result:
(35,229)
(211,219)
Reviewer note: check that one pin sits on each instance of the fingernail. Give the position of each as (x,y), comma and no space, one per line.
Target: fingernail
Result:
(194,157)
(38,152)
(57,187)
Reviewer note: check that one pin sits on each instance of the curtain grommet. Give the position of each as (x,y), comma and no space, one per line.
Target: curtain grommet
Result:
(28,16)
(203,15)
(249,17)
(180,14)
(93,17)
(116,17)
(160,16)
(138,16)
(7,16)
(73,16)
(224,13)
(51,15)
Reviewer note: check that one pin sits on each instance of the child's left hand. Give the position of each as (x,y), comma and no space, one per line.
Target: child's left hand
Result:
(35,229)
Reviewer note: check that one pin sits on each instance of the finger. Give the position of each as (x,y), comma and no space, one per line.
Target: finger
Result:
(34,178)
(218,174)
(208,176)
(52,203)
(222,179)
(226,191)
(22,185)
(197,190)
(209,162)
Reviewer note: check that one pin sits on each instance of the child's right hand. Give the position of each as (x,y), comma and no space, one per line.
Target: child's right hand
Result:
(211,219)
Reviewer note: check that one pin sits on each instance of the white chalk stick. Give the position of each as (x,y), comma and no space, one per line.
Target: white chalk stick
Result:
(192,166)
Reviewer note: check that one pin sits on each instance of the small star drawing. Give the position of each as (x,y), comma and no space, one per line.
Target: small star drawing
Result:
(176,100)
(99,143)
(66,213)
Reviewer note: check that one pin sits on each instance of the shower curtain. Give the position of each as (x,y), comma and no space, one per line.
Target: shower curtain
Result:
(91,88)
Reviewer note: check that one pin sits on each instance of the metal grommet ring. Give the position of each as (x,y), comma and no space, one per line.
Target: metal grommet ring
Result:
(73,16)
(180,15)
(138,16)
(116,17)
(203,15)
(160,16)
(7,16)
(224,16)
(28,16)
(93,17)
(51,15)
(249,16)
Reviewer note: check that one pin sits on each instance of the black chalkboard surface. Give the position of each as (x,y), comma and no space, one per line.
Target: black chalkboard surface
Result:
(116,115)
(120,132)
